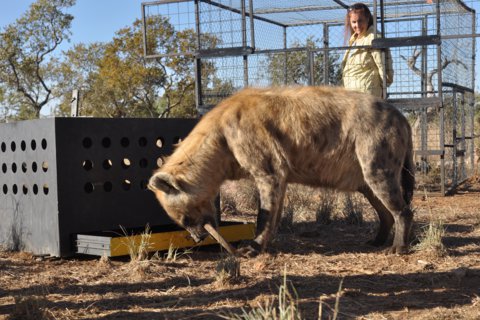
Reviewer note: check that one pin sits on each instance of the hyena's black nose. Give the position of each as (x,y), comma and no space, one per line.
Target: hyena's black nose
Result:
(197,234)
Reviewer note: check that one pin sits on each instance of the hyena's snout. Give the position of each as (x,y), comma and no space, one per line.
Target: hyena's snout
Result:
(197,234)
(197,229)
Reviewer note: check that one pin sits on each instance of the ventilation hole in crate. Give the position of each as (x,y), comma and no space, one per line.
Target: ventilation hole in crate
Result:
(13,146)
(143,163)
(14,167)
(124,142)
(107,164)
(177,140)
(35,189)
(143,184)
(160,162)
(34,167)
(126,184)
(4,147)
(33,145)
(159,142)
(87,143)
(142,142)
(4,168)
(46,189)
(108,186)
(25,189)
(23,145)
(44,144)
(89,187)
(5,189)
(24,167)
(87,165)
(106,142)
(14,189)
(45,166)
(126,163)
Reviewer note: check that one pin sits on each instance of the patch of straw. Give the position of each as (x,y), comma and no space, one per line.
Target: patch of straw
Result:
(430,239)
(286,308)
(228,270)
(352,212)
(30,307)
(138,250)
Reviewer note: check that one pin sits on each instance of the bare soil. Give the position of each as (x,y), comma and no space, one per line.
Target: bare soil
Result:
(314,257)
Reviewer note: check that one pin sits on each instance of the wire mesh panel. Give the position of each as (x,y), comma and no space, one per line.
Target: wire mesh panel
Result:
(226,21)
(242,43)
(457,52)
(459,130)
(161,23)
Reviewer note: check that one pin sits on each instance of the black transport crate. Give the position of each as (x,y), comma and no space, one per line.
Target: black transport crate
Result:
(64,176)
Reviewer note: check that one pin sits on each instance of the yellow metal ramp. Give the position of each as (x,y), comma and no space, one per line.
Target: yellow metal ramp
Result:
(115,243)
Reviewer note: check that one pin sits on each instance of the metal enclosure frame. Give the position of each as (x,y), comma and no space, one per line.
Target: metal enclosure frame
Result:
(238,42)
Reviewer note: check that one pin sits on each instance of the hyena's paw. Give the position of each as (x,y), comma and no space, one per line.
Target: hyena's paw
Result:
(248,249)
(397,250)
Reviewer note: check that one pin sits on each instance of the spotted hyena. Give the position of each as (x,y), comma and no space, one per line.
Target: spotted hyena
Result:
(318,136)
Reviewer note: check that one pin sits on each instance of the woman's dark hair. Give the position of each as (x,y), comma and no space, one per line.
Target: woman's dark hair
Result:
(356,8)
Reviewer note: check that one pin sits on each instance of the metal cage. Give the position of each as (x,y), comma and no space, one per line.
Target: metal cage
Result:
(243,43)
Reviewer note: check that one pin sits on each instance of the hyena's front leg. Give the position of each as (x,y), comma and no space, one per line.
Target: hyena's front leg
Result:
(272,192)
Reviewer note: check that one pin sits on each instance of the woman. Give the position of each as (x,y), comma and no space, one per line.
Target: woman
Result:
(363,69)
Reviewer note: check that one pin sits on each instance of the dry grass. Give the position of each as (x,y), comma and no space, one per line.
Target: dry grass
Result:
(284,308)
(138,250)
(326,207)
(302,204)
(31,307)
(227,270)
(238,196)
(375,286)
(430,239)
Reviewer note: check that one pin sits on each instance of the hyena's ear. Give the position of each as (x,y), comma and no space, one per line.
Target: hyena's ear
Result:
(164,182)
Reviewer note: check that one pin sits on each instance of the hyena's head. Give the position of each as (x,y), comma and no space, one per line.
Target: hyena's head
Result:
(182,205)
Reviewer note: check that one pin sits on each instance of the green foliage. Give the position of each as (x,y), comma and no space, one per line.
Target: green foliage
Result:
(26,66)
(294,68)
(117,81)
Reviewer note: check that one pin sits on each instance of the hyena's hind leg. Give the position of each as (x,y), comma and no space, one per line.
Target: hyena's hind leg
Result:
(384,215)
(386,188)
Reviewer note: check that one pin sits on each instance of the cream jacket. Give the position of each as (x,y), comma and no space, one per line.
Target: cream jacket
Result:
(363,68)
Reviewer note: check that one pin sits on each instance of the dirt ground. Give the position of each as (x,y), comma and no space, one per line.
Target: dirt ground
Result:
(315,259)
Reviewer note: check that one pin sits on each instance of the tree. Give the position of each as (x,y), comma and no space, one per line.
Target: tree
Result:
(293,67)
(26,46)
(78,70)
(116,80)
(3,108)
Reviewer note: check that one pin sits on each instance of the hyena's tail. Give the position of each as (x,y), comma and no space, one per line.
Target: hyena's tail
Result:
(408,174)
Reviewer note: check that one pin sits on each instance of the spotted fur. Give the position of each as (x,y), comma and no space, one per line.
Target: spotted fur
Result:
(318,136)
